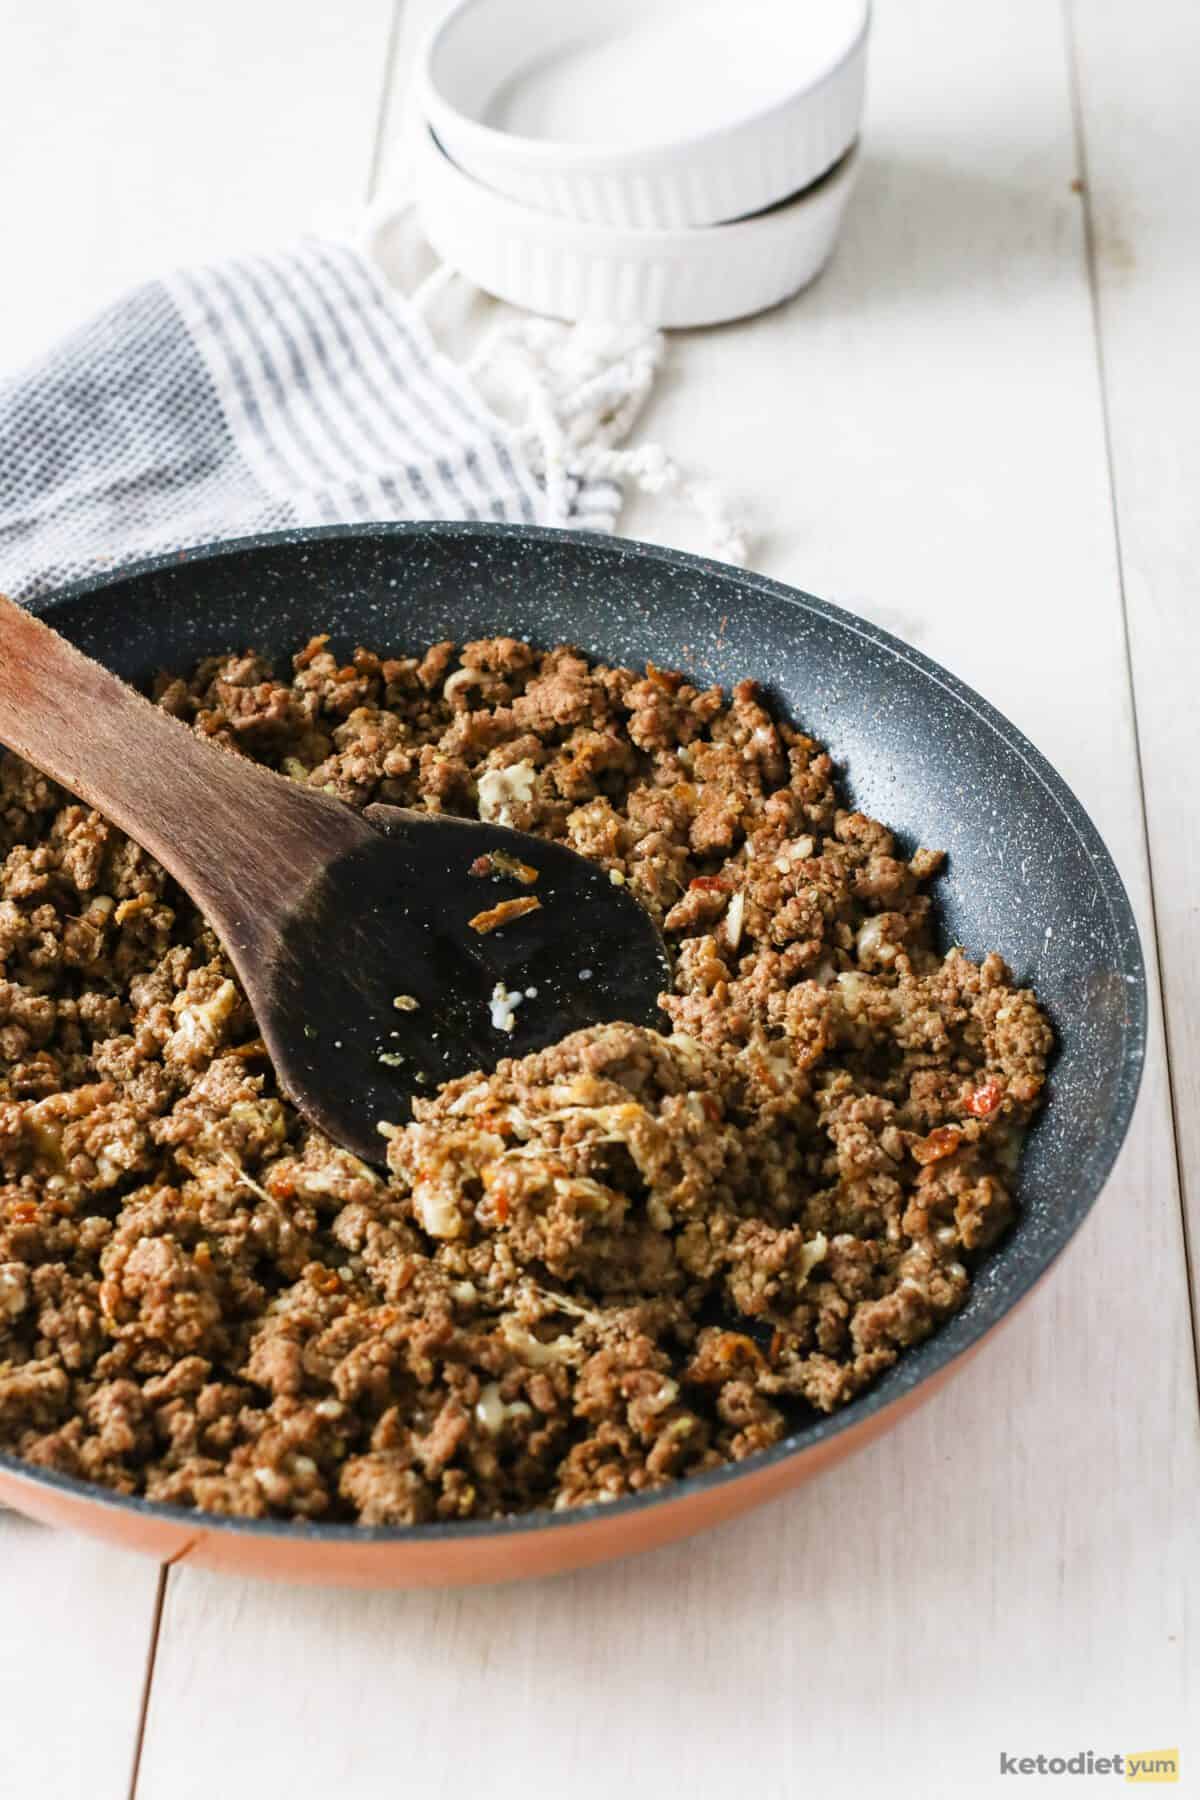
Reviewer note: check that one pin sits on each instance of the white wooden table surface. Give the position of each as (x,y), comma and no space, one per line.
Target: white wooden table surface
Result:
(981,430)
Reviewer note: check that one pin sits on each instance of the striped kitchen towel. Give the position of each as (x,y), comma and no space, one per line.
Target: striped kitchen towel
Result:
(291,389)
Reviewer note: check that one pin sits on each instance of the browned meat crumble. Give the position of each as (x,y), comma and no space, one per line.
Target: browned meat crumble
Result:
(622,1260)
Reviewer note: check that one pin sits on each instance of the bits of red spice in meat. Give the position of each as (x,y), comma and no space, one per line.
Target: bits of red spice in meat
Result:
(498,862)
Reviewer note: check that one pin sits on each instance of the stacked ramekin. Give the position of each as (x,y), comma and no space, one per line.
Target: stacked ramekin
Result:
(656,162)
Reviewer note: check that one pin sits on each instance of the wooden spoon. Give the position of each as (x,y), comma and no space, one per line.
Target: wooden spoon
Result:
(350,932)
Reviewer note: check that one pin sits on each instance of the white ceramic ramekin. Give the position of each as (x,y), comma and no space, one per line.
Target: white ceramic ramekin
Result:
(647,114)
(596,272)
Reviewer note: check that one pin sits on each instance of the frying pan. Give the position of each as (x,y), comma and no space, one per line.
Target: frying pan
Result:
(1027,875)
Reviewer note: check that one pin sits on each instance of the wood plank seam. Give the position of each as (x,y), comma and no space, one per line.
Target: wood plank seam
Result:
(151,1658)
(160,1600)
(379,138)
(1154,955)
(387,101)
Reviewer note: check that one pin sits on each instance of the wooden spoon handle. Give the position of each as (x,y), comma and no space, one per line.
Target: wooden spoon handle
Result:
(238,837)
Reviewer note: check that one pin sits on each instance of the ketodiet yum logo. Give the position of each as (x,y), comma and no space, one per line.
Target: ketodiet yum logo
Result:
(1126,1765)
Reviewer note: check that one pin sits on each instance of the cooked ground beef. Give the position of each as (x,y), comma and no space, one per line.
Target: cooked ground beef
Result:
(619,1261)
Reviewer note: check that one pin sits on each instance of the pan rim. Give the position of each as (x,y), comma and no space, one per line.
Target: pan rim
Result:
(946,1347)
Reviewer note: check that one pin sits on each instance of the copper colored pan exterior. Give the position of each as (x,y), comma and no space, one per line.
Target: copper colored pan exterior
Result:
(921,751)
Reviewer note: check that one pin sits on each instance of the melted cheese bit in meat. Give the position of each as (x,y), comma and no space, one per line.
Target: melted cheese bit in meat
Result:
(502,789)
(734,920)
(14,1290)
(201,1021)
(493,1413)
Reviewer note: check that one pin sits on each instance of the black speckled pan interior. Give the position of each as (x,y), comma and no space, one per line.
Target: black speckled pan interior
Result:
(1027,875)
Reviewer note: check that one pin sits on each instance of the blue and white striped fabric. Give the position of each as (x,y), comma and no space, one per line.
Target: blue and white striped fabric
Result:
(257,394)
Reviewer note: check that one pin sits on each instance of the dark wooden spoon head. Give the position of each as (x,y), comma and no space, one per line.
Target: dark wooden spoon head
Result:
(381,988)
